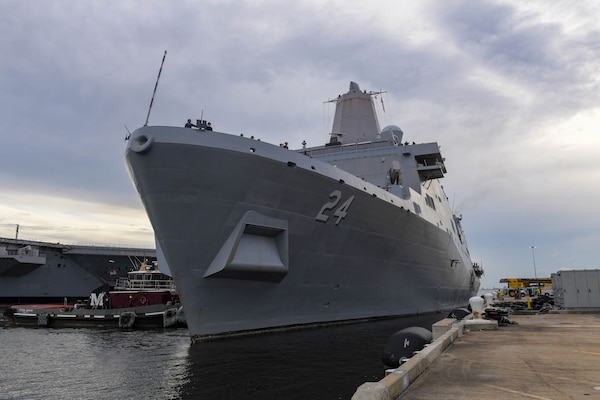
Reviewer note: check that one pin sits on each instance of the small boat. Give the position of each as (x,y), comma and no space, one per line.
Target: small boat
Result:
(145,299)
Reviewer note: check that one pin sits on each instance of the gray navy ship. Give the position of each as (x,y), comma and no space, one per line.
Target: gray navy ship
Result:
(259,237)
(43,272)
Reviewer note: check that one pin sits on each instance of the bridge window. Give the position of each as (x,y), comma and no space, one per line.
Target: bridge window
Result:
(417,208)
(429,201)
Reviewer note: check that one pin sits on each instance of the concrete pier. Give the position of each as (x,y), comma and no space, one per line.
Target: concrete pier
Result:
(546,356)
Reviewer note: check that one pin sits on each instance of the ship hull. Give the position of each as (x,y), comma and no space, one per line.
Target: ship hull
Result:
(213,199)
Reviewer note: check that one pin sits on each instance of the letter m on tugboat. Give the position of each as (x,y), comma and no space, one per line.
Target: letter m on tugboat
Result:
(97,300)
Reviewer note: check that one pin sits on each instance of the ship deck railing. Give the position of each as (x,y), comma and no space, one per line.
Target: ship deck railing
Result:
(141,284)
(330,149)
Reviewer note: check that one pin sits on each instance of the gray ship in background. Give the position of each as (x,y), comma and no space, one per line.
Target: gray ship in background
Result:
(42,272)
(259,237)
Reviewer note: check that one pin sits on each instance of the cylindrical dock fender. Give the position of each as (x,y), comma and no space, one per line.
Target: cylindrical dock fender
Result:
(459,313)
(404,343)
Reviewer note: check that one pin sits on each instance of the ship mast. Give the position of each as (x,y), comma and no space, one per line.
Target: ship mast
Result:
(155,86)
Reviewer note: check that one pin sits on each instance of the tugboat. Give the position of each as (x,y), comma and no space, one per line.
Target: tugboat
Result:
(145,299)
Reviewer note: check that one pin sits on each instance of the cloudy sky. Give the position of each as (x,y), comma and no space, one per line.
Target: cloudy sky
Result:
(510,90)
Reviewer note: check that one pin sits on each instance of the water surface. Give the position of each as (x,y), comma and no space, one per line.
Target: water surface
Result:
(316,363)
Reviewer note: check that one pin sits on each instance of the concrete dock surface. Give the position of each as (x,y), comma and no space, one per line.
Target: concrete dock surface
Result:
(546,356)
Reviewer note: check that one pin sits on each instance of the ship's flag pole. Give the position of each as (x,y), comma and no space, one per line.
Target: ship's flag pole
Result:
(155,86)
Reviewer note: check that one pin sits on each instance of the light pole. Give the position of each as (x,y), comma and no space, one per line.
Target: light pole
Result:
(533,256)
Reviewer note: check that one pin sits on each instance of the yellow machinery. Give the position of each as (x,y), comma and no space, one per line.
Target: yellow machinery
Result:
(526,286)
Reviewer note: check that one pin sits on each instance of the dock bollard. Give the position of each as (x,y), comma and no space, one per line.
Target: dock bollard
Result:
(476,303)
